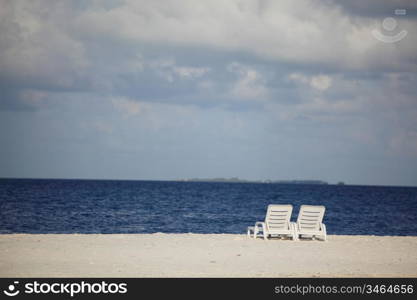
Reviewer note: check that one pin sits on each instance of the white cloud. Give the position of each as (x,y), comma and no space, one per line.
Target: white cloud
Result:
(321,82)
(275,30)
(318,82)
(34,45)
(170,70)
(129,107)
(299,77)
(250,84)
(190,72)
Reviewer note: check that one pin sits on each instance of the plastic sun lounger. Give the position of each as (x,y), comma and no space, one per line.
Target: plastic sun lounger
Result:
(309,222)
(277,222)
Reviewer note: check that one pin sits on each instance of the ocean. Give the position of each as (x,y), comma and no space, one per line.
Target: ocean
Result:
(118,206)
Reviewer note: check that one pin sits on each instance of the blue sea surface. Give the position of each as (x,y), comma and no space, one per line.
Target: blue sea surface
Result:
(106,206)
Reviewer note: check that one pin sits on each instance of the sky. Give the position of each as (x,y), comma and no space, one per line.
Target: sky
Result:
(165,90)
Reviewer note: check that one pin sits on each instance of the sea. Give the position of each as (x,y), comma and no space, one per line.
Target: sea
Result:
(119,206)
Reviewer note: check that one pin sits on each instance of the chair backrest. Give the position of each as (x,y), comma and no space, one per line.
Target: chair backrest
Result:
(278,216)
(310,217)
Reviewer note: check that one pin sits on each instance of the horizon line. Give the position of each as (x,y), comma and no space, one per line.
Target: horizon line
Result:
(260,181)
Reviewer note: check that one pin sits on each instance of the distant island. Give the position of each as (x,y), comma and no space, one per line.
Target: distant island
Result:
(236,179)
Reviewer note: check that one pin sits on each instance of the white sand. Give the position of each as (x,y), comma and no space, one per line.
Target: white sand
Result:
(204,255)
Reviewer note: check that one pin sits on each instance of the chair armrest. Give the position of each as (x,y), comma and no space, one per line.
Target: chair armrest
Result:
(259,224)
(263,226)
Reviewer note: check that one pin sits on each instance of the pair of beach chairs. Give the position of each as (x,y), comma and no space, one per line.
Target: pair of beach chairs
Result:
(277,223)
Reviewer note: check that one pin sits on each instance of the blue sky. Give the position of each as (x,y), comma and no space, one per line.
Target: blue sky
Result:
(180,89)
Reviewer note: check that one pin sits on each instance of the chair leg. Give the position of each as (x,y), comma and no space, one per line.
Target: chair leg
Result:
(251,230)
(265,234)
(324,232)
(294,232)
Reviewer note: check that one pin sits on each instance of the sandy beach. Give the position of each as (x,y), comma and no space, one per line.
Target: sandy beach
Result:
(204,255)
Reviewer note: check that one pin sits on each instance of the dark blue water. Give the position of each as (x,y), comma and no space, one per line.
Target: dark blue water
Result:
(98,206)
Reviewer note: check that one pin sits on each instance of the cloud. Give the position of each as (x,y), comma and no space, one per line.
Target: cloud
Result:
(125,48)
(170,70)
(129,107)
(321,82)
(250,83)
(234,85)
(190,72)
(35,48)
(267,29)
(318,82)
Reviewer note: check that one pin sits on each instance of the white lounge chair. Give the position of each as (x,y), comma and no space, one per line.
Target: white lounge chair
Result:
(309,222)
(277,222)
